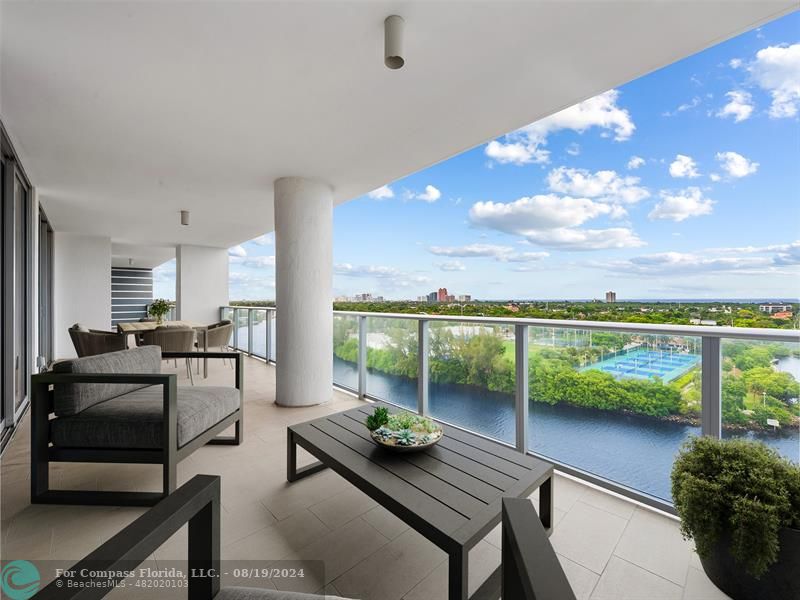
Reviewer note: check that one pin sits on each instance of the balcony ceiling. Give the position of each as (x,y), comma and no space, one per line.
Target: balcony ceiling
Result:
(126,112)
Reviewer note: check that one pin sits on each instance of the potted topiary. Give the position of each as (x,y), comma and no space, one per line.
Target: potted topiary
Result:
(159,308)
(740,502)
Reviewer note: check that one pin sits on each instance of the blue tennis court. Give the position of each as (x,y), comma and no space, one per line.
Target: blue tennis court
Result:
(644,364)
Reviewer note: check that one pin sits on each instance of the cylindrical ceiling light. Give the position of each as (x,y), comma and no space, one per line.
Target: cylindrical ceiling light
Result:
(184,217)
(393,42)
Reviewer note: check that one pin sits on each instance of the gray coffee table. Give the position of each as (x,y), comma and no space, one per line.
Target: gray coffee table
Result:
(450,493)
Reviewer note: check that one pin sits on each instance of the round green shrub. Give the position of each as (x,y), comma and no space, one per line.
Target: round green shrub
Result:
(736,486)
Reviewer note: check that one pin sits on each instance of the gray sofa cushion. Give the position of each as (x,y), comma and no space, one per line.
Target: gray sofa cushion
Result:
(246,593)
(134,420)
(72,398)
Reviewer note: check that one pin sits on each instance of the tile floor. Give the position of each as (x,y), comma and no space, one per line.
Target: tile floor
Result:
(610,548)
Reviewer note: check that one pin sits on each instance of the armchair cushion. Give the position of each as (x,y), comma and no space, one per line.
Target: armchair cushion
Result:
(135,420)
(71,399)
(79,327)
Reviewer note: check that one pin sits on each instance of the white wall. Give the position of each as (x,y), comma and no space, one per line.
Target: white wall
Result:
(201,282)
(81,286)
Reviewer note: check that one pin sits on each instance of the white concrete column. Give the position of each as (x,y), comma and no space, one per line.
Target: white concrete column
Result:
(304,291)
(201,282)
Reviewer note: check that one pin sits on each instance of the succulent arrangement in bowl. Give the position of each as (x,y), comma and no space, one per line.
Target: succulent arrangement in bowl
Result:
(403,431)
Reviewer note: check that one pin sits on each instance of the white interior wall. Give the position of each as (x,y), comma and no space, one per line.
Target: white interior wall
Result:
(81,286)
(201,282)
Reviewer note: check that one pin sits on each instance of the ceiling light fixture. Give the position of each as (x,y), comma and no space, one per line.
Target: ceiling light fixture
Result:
(184,217)
(393,28)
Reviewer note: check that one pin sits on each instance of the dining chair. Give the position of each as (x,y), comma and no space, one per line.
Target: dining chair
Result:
(89,342)
(172,339)
(219,336)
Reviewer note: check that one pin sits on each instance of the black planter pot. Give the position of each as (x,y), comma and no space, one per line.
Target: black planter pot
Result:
(782,579)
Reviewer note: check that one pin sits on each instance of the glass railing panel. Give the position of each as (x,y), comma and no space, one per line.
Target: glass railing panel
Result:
(226,314)
(273,343)
(240,324)
(345,351)
(259,343)
(392,360)
(761,394)
(616,405)
(472,377)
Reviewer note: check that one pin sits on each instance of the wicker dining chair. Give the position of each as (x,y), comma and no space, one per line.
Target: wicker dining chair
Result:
(172,339)
(90,342)
(219,336)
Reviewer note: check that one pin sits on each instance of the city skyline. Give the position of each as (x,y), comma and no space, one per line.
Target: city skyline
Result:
(680,184)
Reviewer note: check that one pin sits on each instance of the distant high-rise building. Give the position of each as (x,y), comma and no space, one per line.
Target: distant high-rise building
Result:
(442,295)
(611,297)
(465,298)
(433,297)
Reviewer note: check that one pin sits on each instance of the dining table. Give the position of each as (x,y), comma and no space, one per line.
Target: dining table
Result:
(137,327)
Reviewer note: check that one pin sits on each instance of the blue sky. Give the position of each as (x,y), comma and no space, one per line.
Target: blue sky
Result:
(681,184)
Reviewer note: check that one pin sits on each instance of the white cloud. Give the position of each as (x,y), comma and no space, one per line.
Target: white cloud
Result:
(553,221)
(586,239)
(264,240)
(736,165)
(682,205)
(257,262)
(382,193)
(776,69)
(431,194)
(543,211)
(715,177)
(606,186)
(452,265)
(683,166)
(678,263)
(497,252)
(574,149)
(515,153)
(740,106)
(683,107)
(783,254)
(635,162)
(237,251)
(735,63)
(525,145)
(390,277)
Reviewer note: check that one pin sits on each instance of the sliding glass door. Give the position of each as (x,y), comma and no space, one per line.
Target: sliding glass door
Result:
(16,285)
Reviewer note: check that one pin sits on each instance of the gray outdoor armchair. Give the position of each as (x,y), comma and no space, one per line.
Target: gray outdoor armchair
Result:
(90,342)
(218,334)
(119,408)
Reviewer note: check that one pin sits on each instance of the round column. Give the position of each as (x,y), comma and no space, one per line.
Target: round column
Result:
(304,291)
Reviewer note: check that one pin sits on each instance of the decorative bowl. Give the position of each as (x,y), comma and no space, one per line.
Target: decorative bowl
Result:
(406,432)
(420,443)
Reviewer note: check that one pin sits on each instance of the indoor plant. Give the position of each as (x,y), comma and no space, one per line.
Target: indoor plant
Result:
(739,501)
(159,308)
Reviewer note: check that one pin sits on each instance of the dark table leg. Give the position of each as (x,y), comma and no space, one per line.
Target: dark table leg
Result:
(292,472)
(546,504)
(458,580)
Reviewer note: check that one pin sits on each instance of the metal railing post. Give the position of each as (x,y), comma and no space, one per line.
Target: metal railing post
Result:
(268,333)
(362,357)
(250,331)
(521,388)
(711,386)
(236,328)
(422,366)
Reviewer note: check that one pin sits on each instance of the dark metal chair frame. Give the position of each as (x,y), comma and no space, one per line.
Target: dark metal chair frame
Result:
(42,453)
(530,567)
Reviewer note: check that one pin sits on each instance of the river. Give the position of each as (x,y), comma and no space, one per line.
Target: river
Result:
(635,451)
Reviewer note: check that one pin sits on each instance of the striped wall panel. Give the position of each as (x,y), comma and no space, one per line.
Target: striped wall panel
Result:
(131,292)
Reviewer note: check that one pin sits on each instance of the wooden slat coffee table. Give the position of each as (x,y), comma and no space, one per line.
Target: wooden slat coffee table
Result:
(450,493)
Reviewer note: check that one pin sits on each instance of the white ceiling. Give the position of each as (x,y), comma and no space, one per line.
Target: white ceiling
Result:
(126,112)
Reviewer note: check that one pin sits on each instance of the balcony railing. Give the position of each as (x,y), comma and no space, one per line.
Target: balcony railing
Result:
(609,402)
